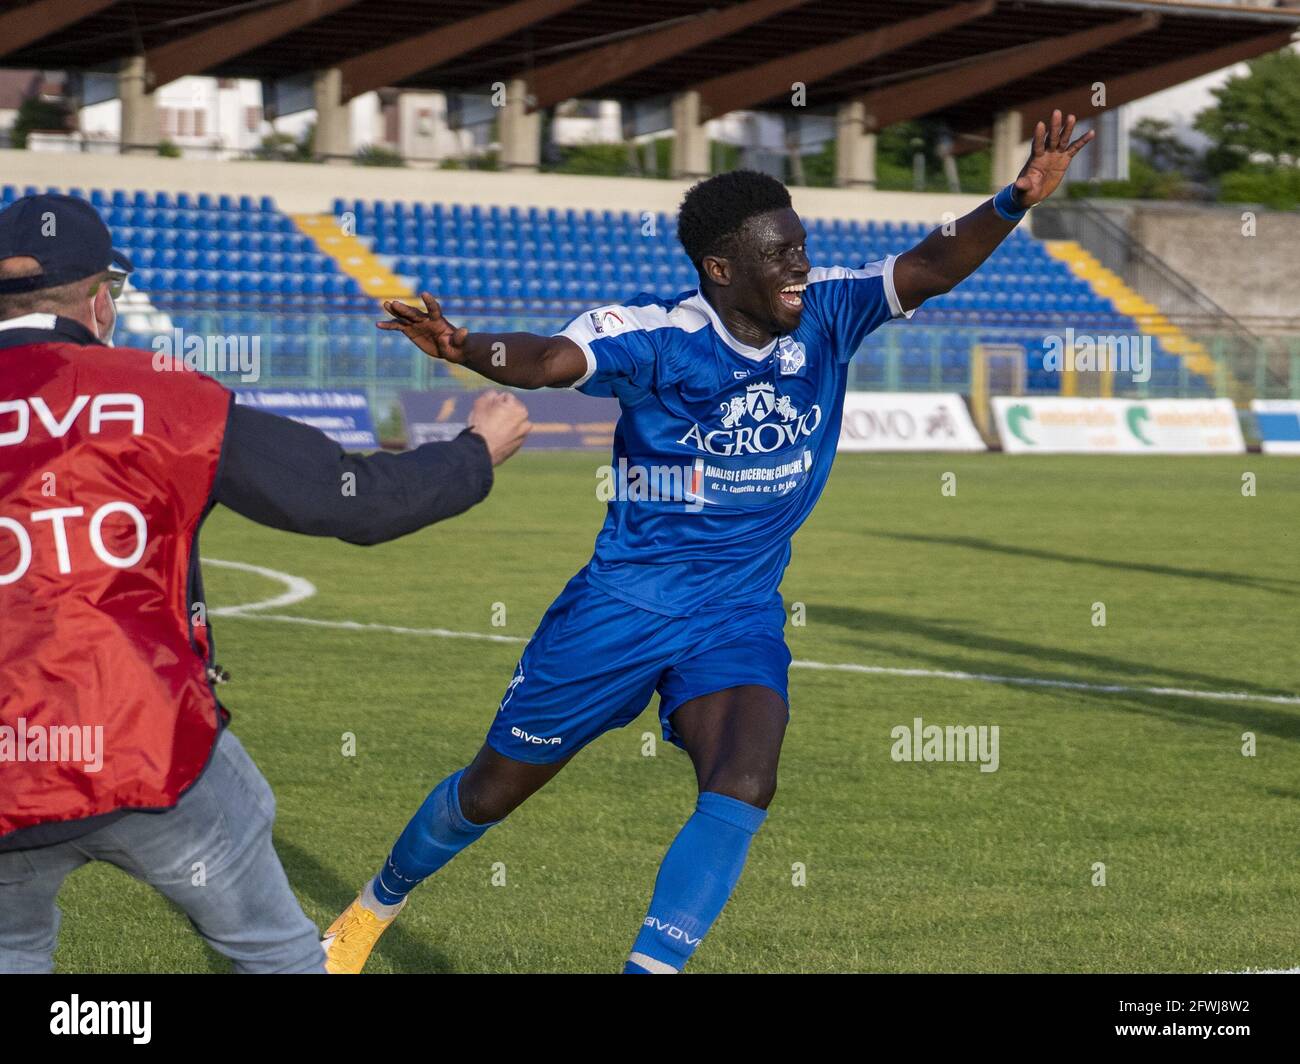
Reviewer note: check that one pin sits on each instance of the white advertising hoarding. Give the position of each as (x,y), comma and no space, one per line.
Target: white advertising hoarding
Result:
(1054,425)
(907,421)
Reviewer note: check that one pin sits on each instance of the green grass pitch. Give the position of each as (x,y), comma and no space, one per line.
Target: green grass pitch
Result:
(909,867)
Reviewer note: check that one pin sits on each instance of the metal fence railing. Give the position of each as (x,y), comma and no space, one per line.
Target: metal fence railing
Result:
(292,346)
(1249,365)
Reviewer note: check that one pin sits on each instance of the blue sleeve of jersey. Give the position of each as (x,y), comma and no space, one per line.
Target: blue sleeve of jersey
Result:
(851,303)
(620,343)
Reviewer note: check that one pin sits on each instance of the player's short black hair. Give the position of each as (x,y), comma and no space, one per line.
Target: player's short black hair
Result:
(714,211)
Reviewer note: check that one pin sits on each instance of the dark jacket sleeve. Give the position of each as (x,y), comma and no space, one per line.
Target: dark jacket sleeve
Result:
(280,473)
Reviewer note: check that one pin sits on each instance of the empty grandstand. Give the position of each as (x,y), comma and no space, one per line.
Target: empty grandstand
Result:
(298,262)
(225,265)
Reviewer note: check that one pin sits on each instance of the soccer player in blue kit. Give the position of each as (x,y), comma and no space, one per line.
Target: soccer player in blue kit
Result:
(738,387)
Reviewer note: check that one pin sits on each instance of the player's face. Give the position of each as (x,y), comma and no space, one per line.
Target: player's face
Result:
(772,270)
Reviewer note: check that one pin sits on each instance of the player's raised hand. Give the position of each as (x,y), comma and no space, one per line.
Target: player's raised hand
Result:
(1049,158)
(427,329)
(502,421)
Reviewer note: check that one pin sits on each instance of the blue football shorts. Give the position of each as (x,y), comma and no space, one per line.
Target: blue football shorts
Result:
(595,660)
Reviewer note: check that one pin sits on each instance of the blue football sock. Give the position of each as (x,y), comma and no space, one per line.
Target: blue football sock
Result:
(697,876)
(436,833)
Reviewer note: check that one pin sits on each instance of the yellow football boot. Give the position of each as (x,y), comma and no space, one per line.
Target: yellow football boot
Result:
(349,939)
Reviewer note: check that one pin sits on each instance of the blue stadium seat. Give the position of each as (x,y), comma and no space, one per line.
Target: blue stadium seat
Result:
(216,259)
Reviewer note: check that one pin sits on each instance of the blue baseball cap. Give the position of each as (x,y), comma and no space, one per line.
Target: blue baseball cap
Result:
(64,234)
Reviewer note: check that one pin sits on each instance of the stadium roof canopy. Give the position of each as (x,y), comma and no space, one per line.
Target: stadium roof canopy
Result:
(963,60)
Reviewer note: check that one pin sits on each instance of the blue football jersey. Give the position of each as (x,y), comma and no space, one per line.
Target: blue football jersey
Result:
(721,449)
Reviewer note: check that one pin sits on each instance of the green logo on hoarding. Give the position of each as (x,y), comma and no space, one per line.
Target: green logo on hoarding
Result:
(1017,415)
(1136,416)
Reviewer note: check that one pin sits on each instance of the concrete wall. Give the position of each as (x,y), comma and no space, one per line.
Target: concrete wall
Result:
(308,188)
(1252,277)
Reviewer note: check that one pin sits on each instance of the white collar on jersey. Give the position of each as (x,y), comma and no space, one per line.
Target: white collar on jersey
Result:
(754,354)
(29,321)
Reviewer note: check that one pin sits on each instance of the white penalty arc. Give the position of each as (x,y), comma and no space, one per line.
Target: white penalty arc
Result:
(297,589)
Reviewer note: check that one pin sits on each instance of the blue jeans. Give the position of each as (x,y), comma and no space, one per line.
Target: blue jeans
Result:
(211,855)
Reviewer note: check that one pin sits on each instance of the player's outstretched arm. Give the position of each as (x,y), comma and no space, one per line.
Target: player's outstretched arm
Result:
(944,259)
(521,360)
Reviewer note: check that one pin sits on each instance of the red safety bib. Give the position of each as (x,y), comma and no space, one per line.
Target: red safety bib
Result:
(107,468)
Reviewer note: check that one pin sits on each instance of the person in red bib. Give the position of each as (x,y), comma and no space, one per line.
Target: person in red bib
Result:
(113,743)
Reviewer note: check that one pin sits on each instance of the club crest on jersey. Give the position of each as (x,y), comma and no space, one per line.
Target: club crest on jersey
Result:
(791,356)
(760,400)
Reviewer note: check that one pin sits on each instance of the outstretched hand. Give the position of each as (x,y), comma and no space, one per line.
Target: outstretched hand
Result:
(427,329)
(1049,158)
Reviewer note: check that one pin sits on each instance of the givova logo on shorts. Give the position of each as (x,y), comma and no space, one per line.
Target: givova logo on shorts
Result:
(537,740)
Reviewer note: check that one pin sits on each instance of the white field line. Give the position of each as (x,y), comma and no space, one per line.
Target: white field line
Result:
(298,589)
(1069,685)
(359,626)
